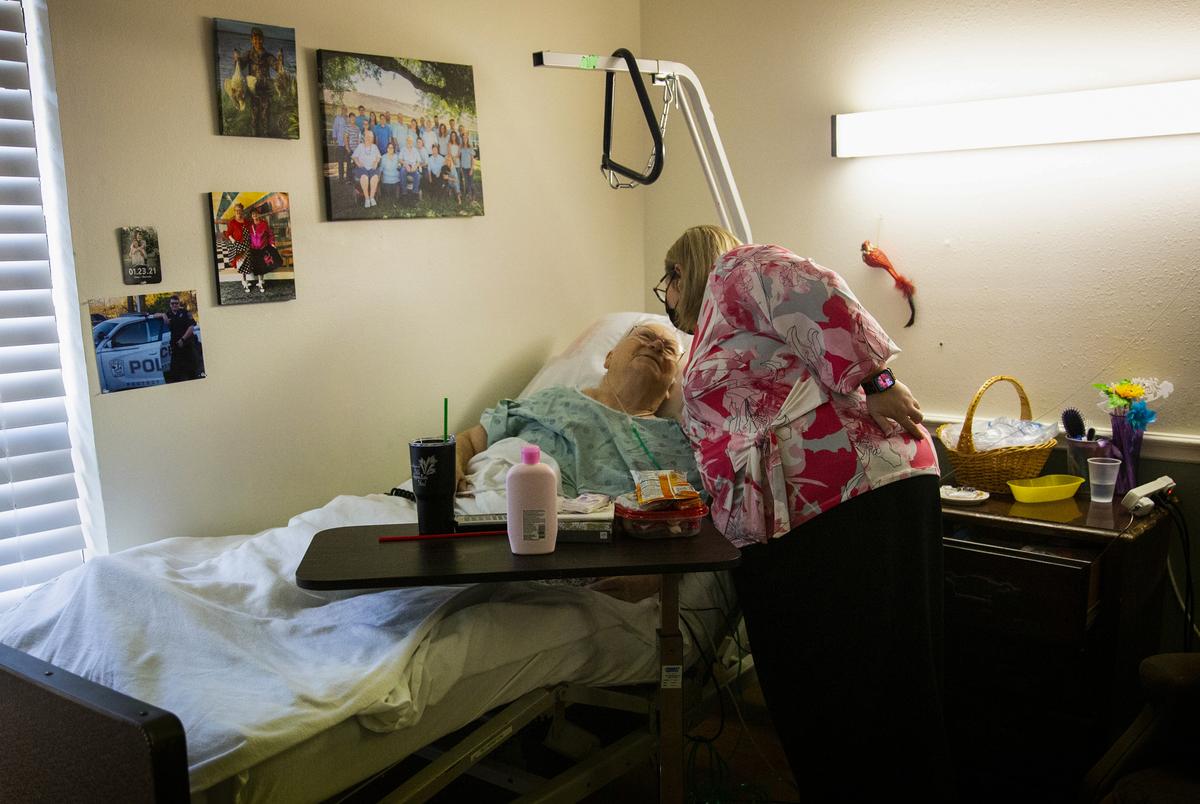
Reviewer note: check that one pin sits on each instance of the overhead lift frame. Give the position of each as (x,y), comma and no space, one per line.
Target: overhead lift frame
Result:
(696,111)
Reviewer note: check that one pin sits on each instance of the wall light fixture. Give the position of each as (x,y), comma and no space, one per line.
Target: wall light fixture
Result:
(1149,110)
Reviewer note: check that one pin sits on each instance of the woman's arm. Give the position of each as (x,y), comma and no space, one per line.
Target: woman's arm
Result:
(899,405)
(467,445)
(814,311)
(810,308)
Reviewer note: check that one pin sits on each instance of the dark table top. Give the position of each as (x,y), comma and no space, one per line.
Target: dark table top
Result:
(1076,516)
(354,558)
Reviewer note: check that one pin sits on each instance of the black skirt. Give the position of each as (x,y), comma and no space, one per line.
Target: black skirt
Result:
(844,615)
(261,261)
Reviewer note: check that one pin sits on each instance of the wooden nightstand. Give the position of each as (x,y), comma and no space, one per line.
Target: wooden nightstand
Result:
(1049,609)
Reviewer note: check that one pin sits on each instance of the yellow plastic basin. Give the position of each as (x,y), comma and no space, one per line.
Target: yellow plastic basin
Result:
(1046,488)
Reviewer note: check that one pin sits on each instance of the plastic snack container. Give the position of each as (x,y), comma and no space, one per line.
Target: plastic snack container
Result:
(644,523)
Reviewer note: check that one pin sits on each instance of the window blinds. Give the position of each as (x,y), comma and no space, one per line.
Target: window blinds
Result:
(40,531)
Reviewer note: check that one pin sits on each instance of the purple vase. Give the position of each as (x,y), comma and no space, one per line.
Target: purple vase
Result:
(1126,445)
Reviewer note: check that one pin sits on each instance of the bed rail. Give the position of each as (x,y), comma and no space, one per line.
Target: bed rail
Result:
(66,739)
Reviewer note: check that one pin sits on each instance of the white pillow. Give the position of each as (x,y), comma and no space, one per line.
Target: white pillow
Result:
(581,365)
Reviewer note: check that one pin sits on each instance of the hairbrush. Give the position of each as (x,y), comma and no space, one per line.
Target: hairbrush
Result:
(1072,422)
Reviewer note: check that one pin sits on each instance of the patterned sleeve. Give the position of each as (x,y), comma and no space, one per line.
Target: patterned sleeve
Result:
(812,309)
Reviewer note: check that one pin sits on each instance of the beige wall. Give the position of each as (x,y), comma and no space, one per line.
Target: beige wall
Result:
(1062,265)
(315,397)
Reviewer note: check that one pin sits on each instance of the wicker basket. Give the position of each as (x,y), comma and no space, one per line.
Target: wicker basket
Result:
(991,469)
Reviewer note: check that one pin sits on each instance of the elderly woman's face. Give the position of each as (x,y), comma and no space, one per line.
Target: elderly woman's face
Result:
(651,350)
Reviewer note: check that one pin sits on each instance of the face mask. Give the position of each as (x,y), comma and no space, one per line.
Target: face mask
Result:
(672,314)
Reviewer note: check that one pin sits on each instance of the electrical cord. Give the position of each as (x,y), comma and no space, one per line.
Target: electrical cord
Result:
(744,792)
(1186,600)
(718,787)
(709,661)
(1179,597)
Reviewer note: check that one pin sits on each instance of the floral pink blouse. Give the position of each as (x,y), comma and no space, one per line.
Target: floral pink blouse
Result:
(772,403)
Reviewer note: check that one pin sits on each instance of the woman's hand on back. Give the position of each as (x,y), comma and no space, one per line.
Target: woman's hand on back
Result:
(896,404)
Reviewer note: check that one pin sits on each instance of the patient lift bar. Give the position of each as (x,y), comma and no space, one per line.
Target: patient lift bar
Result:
(696,111)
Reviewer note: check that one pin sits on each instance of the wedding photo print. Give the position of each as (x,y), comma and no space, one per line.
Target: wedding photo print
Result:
(252,247)
(401,138)
(143,341)
(256,80)
(141,263)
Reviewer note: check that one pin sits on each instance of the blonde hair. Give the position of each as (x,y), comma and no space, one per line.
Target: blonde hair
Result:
(696,252)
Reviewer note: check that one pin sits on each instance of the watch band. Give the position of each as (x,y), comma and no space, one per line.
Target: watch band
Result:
(879,382)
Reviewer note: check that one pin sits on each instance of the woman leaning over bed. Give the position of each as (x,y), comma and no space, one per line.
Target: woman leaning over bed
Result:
(821,473)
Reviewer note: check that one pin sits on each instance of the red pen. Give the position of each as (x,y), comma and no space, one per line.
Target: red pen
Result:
(415,537)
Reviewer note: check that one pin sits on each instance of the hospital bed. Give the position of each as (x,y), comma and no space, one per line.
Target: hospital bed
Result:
(282,694)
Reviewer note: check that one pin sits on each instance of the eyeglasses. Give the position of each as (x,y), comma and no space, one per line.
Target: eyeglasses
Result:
(670,347)
(660,290)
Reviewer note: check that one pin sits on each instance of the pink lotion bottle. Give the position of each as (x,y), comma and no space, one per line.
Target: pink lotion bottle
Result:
(532,489)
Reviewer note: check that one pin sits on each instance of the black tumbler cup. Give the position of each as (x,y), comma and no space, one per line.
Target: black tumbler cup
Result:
(433,483)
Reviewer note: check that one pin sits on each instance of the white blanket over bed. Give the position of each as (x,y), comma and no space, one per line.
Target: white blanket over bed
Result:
(216,631)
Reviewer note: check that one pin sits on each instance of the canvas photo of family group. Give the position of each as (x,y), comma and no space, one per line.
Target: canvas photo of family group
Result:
(401,138)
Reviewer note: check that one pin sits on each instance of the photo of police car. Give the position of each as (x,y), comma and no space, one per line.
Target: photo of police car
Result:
(133,350)
(146,340)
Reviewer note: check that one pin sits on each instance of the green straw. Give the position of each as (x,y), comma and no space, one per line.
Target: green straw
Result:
(445,419)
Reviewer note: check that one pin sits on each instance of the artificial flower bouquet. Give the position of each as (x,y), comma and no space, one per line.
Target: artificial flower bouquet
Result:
(1130,399)
(1127,403)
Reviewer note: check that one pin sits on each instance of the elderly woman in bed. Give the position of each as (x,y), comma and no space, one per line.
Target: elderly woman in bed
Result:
(599,434)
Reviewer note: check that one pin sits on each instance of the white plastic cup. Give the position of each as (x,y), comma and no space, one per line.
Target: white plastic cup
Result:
(1102,478)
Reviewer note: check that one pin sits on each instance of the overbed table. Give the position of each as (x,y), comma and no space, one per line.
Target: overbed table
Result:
(354,558)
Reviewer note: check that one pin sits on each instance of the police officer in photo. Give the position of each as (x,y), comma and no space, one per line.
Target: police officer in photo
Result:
(186,360)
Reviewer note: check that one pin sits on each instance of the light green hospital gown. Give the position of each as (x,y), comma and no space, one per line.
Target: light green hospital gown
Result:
(594,445)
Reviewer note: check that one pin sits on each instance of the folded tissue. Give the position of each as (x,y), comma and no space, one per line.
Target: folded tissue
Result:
(1003,431)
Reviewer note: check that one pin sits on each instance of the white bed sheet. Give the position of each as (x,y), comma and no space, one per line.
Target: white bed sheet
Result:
(216,631)
(472,641)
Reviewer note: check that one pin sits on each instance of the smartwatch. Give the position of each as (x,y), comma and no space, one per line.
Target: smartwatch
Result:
(879,382)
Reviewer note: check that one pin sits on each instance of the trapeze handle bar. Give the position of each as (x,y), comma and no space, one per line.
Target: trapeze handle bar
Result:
(606,163)
(696,112)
